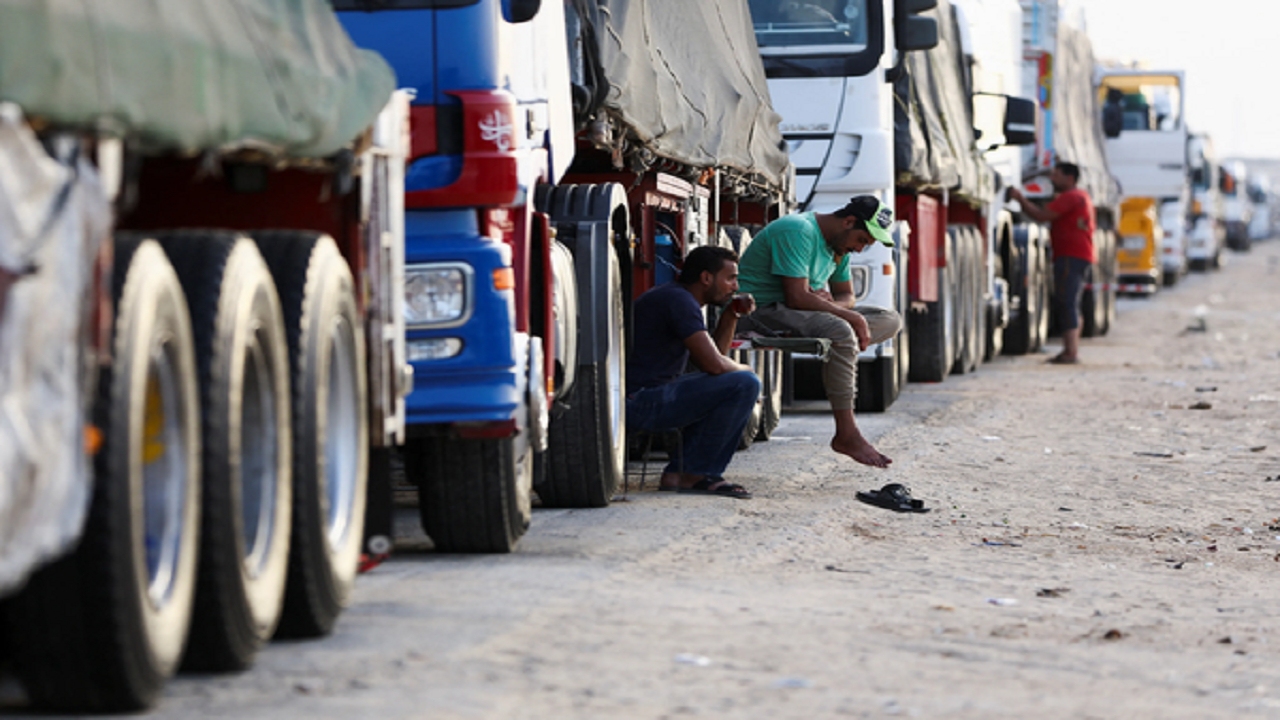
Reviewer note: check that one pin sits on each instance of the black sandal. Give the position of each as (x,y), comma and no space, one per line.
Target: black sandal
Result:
(895,497)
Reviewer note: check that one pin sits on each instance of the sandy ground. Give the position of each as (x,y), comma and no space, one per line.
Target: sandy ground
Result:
(1104,543)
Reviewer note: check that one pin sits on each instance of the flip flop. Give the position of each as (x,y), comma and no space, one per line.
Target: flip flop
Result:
(1061,360)
(722,488)
(895,497)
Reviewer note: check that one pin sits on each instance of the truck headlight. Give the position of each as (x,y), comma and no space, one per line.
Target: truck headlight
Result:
(437,295)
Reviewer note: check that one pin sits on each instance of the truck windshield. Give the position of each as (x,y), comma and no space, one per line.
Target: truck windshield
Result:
(818,37)
(1144,102)
(371,5)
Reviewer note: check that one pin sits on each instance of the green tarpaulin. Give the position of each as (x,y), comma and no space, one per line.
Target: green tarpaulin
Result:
(188,76)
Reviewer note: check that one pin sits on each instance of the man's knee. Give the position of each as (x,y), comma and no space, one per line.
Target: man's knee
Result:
(745,383)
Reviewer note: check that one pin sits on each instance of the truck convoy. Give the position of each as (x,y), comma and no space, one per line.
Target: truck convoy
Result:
(919,103)
(200,333)
(1147,152)
(564,156)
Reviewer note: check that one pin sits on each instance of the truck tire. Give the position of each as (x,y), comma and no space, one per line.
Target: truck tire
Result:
(103,628)
(755,360)
(978,338)
(1028,285)
(770,392)
(1109,291)
(330,433)
(967,302)
(468,492)
(932,333)
(243,366)
(994,333)
(1092,304)
(587,443)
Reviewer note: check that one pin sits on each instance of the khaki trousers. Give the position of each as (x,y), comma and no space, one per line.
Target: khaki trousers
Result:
(839,373)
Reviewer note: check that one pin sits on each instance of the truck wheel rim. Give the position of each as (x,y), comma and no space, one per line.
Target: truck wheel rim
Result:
(259,451)
(343,436)
(165,464)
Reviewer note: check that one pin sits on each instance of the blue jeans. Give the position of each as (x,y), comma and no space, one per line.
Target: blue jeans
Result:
(711,411)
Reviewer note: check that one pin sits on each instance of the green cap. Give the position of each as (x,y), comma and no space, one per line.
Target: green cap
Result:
(877,216)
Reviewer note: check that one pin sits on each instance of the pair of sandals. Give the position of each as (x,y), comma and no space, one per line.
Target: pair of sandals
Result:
(711,485)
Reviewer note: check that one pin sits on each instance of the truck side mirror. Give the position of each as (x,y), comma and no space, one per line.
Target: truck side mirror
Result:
(518,11)
(1019,121)
(911,31)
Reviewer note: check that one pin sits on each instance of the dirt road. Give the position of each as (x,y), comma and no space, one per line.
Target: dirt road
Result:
(1104,543)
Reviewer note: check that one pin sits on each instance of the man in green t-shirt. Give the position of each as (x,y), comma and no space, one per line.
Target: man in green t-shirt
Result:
(797,269)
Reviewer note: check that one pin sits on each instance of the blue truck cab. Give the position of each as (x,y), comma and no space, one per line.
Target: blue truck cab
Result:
(482,128)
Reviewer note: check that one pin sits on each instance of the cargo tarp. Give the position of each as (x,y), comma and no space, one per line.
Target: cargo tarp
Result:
(276,75)
(686,80)
(935,147)
(53,214)
(1077,118)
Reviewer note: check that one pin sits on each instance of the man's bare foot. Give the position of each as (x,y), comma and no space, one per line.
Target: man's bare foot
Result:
(862,451)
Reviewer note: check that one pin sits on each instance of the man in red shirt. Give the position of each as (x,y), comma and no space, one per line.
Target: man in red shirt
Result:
(1071,223)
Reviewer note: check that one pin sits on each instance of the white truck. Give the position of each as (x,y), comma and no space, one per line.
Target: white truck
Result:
(1237,209)
(1058,66)
(201,334)
(878,98)
(1207,235)
(1148,155)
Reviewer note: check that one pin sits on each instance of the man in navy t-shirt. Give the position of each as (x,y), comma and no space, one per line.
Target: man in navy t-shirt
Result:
(710,407)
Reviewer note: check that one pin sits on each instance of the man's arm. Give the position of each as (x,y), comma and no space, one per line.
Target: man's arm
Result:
(842,293)
(799,296)
(1039,213)
(707,356)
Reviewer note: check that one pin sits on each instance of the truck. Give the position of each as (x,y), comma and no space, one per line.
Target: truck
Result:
(936,108)
(565,156)
(1261,223)
(1207,235)
(1237,208)
(1059,64)
(1147,153)
(200,334)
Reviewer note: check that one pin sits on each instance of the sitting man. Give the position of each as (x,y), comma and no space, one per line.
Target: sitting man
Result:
(788,268)
(711,407)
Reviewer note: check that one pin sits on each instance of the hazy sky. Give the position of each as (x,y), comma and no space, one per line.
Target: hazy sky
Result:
(1230,50)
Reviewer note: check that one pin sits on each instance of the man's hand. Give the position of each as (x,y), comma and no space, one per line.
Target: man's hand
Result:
(822,294)
(860,328)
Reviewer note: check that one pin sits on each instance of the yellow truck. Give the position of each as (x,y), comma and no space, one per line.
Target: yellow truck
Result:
(1141,237)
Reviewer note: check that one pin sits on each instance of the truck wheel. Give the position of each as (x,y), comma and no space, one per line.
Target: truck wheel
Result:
(330,434)
(1109,292)
(242,362)
(771,392)
(755,360)
(932,339)
(468,492)
(587,444)
(103,628)
(978,338)
(967,291)
(1092,304)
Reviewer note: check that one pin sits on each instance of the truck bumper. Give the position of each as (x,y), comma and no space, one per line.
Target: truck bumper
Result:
(479,381)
